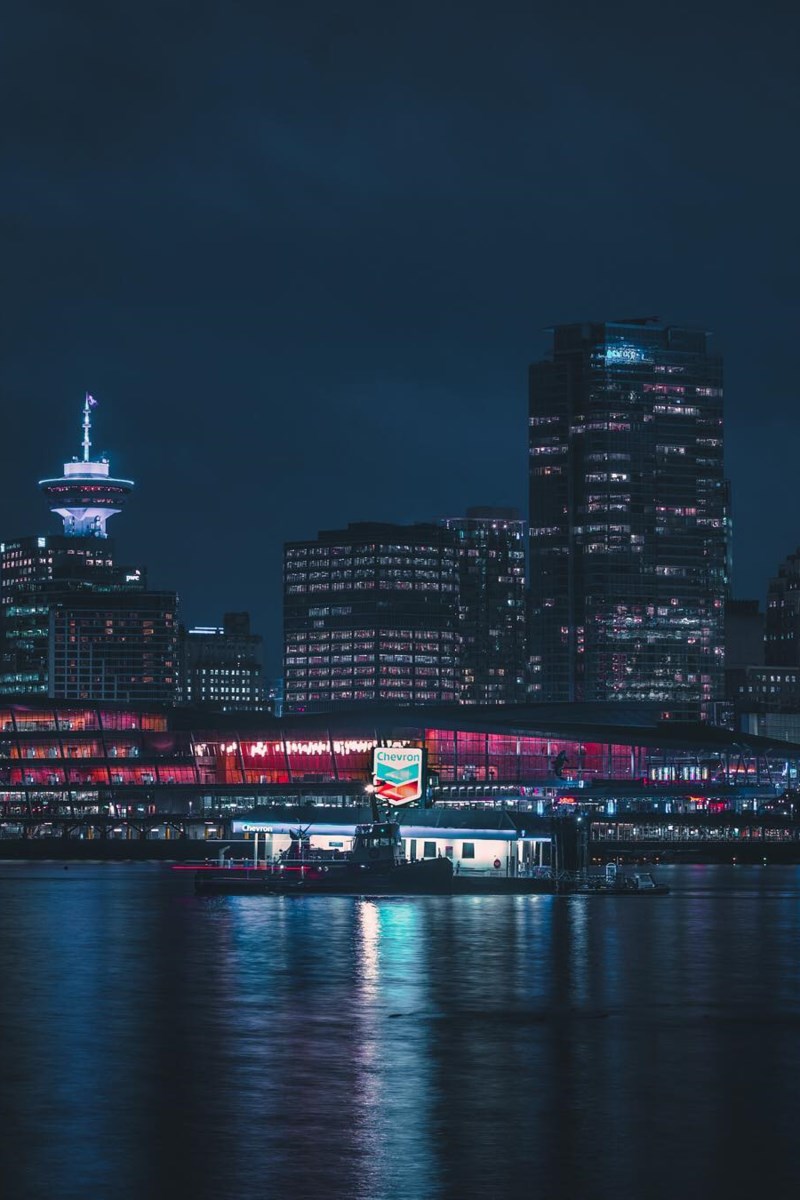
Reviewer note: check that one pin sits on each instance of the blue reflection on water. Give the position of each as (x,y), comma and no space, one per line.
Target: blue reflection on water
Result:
(155,1044)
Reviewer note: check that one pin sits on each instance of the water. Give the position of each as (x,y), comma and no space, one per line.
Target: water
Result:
(154,1044)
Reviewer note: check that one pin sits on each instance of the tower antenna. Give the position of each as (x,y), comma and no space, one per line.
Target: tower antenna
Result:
(86,495)
(88,405)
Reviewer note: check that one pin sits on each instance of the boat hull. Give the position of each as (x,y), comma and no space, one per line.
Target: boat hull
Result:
(428,877)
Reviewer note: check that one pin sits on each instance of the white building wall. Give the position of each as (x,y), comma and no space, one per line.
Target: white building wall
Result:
(493,851)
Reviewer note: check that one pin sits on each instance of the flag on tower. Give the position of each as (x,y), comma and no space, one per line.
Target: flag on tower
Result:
(90,400)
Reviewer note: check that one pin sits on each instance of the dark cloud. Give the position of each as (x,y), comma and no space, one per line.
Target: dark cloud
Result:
(303,254)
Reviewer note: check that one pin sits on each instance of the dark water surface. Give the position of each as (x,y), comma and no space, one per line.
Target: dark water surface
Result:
(154,1044)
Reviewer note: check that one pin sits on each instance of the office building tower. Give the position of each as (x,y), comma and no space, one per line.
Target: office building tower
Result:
(491,572)
(762,658)
(629,517)
(370,616)
(74,624)
(113,646)
(782,624)
(37,575)
(221,666)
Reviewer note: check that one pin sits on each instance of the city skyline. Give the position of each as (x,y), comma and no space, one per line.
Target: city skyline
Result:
(354,238)
(197,609)
(369,361)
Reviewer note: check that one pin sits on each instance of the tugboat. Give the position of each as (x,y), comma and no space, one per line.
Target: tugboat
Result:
(375,865)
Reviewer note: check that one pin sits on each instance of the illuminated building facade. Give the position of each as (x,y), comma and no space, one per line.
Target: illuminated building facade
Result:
(73,623)
(221,666)
(34,573)
(73,757)
(491,605)
(371,616)
(114,646)
(766,689)
(782,625)
(32,563)
(628,517)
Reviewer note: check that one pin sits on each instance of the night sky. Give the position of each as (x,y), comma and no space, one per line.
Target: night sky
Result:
(303,253)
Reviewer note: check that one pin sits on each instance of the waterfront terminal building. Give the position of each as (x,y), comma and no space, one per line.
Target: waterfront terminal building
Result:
(86,757)
(495,778)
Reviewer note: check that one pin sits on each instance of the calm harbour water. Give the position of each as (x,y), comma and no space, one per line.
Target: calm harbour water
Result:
(154,1044)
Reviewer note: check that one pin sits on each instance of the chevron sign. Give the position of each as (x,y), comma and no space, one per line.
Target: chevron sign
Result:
(397,775)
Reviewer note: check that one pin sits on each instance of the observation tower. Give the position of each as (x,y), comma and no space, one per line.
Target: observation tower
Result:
(86,495)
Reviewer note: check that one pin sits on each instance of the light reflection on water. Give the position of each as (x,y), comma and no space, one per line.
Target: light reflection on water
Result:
(155,1044)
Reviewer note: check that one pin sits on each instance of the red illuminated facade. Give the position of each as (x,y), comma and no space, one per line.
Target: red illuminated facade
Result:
(97,757)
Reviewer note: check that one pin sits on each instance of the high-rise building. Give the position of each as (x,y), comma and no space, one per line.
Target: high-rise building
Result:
(117,645)
(75,625)
(371,616)
(39,575)
(491,569)
(782,625)
(221,666)
(629,517)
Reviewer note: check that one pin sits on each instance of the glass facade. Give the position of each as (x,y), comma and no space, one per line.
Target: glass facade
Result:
(77,626)
(629,518)
(371,616)
(101,758)
(491,605)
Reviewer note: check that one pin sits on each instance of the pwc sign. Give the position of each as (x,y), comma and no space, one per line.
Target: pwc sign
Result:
(397,774)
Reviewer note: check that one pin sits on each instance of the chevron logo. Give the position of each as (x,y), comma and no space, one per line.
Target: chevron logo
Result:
(397,774)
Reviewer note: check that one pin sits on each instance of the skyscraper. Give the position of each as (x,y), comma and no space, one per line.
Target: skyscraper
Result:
(628,517)
(370,616)
(491,607)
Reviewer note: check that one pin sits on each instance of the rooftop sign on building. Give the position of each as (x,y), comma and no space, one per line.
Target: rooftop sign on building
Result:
(398,774)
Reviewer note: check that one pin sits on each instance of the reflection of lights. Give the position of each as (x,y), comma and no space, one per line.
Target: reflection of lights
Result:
(369,933)
(578,951)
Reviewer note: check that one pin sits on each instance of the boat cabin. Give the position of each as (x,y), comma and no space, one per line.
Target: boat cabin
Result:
(377,842)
